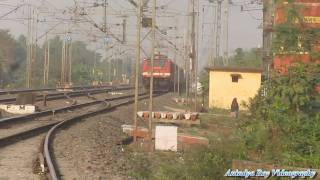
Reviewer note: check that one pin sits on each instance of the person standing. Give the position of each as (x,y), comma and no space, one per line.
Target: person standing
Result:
(234,108)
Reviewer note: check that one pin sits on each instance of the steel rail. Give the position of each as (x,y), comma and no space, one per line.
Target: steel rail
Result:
(11,139)
(12,120)
(61,95)
(52,89)
(58,95)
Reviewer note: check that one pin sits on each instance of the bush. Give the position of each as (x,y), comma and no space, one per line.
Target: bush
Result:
(285,123)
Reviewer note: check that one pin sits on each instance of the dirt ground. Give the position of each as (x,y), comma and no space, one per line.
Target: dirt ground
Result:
(91,150)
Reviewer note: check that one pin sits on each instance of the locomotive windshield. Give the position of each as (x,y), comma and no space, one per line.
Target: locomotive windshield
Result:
(158,62)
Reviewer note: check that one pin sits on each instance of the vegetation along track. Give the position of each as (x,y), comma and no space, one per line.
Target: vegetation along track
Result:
(47,149)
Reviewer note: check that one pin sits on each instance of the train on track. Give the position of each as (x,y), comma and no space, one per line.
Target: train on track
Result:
(166,73)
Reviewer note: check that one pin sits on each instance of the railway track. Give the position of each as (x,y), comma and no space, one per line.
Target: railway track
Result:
(48,121)
(10,137)
(7,92)
(62,95)
(47,147)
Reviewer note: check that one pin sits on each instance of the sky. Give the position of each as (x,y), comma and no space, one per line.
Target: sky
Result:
(244,31)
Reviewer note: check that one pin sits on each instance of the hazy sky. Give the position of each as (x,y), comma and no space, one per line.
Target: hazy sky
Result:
(243,26)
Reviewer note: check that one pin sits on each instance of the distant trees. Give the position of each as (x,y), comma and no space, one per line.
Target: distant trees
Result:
(251,58)
(12,54)
(88,65)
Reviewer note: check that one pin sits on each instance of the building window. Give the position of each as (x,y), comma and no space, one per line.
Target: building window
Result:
(235,77)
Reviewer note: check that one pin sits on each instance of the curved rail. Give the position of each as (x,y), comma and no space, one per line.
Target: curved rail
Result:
(47,154)
(47,142)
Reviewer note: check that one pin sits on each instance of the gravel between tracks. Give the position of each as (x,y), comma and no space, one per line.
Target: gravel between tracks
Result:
(89,150)
(16,161)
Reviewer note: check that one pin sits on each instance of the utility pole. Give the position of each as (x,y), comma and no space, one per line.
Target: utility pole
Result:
(138,54)
(188,57)
(226,33)
(46,62)
(196,57)
(106,39)
(66,61)
(187,66)
(218,29)
(124,30)
(70,62)
(29,55)
(105,17)
(268,22)
(213,43)
(34,46)
(153,38)
(175,78)
(63,64)
(31,46)
(193,54)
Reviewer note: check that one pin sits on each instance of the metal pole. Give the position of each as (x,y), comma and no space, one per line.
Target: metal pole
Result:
(193,57)
(136,89)
(226,31)
(48,64)
(124,31)
(153,37)
(213,33)
(105,17)
(35,42)
(70,62)
(45,62)
(188,54)
(62,79)
(28,49)
(218,29)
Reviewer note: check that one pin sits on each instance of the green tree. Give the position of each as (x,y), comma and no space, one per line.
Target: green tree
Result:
(251,58)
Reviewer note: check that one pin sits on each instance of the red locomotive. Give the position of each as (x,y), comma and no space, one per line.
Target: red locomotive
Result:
(164,71)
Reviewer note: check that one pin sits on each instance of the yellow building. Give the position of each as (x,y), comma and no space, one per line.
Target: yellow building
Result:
(226,83)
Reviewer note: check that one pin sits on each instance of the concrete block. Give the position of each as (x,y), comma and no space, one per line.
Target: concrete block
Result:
(187,116)
(166,138)
(175,115)
(163,115)
(26,98)
(157,115)
(140,114)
